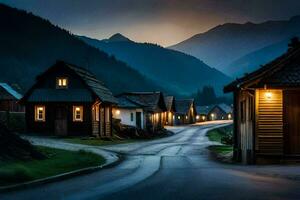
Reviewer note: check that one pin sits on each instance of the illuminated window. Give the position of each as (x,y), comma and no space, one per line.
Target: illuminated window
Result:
(96,113)
(77,113)
(40,113)
(62,82)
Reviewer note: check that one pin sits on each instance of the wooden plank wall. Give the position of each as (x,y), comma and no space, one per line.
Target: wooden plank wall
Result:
(245,126)
(269,124)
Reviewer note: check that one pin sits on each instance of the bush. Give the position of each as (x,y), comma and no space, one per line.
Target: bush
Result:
(16,174)
(227,139)
(14,121)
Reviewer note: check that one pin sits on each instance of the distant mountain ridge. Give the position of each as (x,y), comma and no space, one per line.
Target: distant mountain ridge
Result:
(254,60)
(224,44)
(30,44)
(169,68)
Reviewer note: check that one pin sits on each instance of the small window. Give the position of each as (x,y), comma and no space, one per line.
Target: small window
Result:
(131,117)
(77,113)
(40,113)
(62,82)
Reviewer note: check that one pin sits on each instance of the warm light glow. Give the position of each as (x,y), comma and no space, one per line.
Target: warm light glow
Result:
(212,114)
(77,113)
(197,117)
(186,117)
(203,117)
(178,117)
(229,116)
(62,82)
(40,113)
(118,112)
(268,95)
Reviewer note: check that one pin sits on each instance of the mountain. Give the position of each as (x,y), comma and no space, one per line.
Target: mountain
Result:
(254,60)
(30,44)
(224,44)
(170,68)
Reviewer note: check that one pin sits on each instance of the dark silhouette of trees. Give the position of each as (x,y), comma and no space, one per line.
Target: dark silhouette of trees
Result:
(207,96)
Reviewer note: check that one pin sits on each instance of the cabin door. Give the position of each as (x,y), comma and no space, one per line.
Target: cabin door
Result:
(291,122)
(61,121)
(138,119)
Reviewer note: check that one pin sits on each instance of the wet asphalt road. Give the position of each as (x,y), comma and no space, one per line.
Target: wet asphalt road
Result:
(177,167)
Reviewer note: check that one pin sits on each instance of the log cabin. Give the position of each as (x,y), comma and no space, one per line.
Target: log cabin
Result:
(185,111)
(149,112)
(267,111)
(170,104)
(69,100)
(9,98)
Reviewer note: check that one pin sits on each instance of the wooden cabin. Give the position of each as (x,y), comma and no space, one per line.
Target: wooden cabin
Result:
(185,111)
(170,114)
(202,113)
(69,100)
(267,111)
(144,109)
(9,98)
(220,112)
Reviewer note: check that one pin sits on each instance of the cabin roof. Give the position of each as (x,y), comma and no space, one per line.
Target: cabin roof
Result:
(124,102)
(204,110)
(169,101)
(152,101)
(284,71)
(10,91)
(91,82)
(226,108)
(183,105)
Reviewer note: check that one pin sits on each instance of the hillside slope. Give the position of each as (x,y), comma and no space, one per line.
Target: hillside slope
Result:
(30,44)
(226,43)
(169,68)
(254,60)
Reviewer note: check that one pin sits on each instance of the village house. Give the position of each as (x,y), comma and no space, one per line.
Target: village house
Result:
(145,110)
(267,111)
(9,98)
(69,100)
(202,113)
(170,104)
(220,112)
(185,111)
(129,112)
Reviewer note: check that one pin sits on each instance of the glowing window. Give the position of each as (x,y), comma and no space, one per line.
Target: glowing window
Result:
(40,113)
(62,82)
(77,113)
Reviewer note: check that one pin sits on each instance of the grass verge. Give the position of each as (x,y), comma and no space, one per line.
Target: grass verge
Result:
(98,141)
(222,135)
(220,149)
(57,162)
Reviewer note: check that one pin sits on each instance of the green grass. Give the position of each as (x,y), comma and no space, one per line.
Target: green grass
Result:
(98,141)
(221,149)
(57,162)
(214,135)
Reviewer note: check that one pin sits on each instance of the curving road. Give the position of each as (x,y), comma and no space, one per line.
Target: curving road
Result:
(176,167)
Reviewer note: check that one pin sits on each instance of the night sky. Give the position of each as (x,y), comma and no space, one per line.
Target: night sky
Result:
(164,22)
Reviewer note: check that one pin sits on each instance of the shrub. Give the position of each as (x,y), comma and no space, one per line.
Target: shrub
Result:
(227,139)
(17,173)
